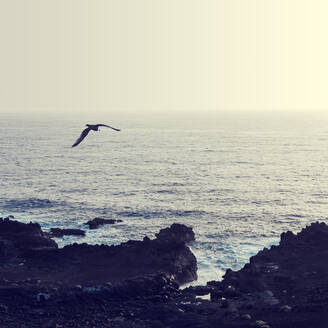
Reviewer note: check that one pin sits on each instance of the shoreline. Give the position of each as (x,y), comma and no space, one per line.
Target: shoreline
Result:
(137,283)
(207,268)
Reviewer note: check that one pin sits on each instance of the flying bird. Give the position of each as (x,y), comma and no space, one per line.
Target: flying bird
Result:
(90,127)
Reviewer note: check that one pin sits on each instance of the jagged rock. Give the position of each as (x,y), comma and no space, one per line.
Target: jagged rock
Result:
(131,259)
(58,232)
(294,272)
(68,287)
(83,264)
(97,222)
(18,236)
(177,233)
(282,267)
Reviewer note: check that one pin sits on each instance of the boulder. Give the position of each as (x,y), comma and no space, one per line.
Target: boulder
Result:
(177,233)
(38,257)
(58,232)
(97,222)
(21,236)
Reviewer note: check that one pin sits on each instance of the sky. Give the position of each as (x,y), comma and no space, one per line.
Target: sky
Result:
(163,55)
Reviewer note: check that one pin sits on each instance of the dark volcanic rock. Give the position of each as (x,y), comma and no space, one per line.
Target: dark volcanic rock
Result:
(39,257)
(136,284)
(100,263)
(290,279)
(177,233)
(97,222)
(58,232)
(20,236)
(289,264)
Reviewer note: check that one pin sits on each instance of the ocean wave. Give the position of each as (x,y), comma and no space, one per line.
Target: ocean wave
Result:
(75,190)
(164,191)
(161,214)
(169,184)
(294,216)
(29,203)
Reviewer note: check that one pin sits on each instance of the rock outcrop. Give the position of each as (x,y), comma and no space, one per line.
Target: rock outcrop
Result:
(286,285)
(39,257)
(97,222)
(136,284)
(58,232)
(17,236)
(177,233)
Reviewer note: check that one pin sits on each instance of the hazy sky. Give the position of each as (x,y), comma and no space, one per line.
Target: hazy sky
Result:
(163,54)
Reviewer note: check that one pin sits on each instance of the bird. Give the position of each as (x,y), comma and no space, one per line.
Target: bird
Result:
(90,127)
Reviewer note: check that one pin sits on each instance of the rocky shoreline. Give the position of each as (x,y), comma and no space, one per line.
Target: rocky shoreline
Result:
(136,284)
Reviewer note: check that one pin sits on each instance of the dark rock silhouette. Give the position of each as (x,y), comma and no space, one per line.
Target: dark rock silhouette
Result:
(58,232)
(97,222)
(177,233)
(92,264)
(286,285)
(136,284)
(17,236)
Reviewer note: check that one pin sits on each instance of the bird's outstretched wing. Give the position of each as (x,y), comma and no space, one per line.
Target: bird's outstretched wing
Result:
(82,136)
(108,127)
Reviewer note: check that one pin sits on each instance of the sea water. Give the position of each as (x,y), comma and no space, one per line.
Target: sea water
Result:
(239,179)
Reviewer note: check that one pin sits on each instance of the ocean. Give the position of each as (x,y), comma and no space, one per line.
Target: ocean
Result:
(239,179)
